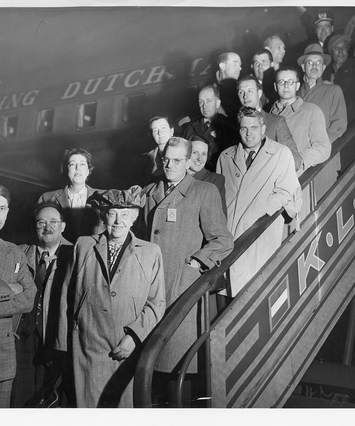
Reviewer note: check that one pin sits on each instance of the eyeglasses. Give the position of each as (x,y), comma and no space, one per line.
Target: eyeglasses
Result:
(316,63)
(288,83)
(174,161)
(52,223)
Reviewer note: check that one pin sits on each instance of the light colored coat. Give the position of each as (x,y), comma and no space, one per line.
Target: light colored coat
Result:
(269,184)
(134,298)
(200,231)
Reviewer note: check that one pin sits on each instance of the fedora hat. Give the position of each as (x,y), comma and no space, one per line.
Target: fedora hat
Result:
(314,49)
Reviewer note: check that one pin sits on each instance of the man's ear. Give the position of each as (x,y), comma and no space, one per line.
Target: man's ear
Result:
(222,66)
(63,226)
(303,67)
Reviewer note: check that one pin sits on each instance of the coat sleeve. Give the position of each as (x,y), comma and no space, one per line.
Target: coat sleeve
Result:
(320,148)
(338,115)
(154,307)
(19,302)
(287,188)
(218,240)
(284,136)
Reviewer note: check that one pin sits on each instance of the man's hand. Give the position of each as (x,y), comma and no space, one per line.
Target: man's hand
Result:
(194,264)
(124,348)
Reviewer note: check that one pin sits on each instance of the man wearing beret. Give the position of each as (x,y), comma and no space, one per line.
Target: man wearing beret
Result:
(184,216)
(118,293)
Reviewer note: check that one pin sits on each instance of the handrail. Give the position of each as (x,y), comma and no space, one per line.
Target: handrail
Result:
(181,307)
(21,177)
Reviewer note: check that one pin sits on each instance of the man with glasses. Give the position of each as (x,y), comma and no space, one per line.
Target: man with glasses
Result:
(330,99)
(184,216)
(48,258)
(305,120)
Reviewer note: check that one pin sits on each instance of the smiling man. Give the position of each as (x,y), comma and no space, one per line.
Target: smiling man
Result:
(48,258)
(260,179)
(119,296)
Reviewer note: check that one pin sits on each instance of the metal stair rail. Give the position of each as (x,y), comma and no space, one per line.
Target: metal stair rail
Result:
(258,349)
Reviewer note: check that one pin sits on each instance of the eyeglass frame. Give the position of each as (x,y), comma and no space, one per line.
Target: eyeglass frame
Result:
(53,223)
(289,83)
(175,161)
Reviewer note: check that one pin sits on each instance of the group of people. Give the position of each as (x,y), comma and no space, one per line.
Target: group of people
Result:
(104,265)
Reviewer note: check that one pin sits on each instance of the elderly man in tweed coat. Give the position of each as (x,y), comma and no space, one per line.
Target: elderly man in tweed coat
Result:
(17,293)
(184,216)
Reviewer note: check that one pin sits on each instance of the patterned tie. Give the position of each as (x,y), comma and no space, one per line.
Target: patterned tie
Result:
(40,278)
(169,189)
(249,159)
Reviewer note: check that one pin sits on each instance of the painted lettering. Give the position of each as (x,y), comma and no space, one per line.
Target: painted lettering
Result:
(30,97)
(112,81)
(156,75)
(343,229)
(3,100)
(312,260)
(72,90)
(194,64)
(128,82)
(92,85)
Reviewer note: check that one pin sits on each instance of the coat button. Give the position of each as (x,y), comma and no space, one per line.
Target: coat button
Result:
(113,293)
(156,232)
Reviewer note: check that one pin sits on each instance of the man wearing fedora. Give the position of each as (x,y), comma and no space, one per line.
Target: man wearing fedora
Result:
(118,293)
(330,99)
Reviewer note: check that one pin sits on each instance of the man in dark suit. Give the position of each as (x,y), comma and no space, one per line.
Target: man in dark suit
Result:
(250,93)
(17,292)
(213,127)
(48,258)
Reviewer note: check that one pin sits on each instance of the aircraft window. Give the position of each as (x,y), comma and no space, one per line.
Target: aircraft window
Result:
(135,108)
(87,115)
(9,126)
(45,121)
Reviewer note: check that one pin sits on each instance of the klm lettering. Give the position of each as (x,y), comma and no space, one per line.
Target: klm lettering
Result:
(323,246)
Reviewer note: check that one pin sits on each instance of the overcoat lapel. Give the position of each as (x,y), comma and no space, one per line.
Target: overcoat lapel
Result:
(101,251)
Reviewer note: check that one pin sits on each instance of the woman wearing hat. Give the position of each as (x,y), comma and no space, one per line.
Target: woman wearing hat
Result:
(17,293)
(119,297)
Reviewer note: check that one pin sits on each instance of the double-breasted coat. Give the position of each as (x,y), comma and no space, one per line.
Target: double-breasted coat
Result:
(199,231)
(103,307)
(17,293)
(269,184)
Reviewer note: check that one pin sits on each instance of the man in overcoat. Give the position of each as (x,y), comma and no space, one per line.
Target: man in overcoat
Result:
(17,292)
(260,179)
(117,286)
(184,216)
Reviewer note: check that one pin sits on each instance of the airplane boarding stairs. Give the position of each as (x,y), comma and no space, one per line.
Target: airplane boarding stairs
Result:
(259,348)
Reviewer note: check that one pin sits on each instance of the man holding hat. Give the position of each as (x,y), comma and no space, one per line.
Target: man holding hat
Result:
(118,293)
(328,97)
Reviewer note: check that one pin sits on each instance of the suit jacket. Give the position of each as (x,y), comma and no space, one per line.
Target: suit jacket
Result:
(79,221)
(17,293)
(133,298)
(269,184)
(199,231)
(59,267)
(221,134)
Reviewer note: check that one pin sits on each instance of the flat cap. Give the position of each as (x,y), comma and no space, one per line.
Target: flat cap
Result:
(118,199)
(314,49)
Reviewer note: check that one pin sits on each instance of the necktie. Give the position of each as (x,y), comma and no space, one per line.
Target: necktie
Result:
(169,189)
(40,277)
(249,159)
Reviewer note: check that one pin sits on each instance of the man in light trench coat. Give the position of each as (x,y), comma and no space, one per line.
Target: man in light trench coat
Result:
(260,179)
(118,291)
